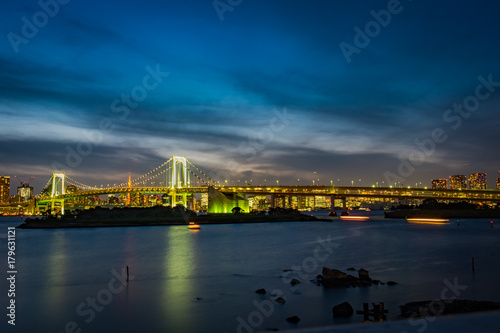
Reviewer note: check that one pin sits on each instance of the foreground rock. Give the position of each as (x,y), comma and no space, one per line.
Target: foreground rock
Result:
(293,319)
(343,310)
(280,300)
(333,278)
(363,275)
(444,307)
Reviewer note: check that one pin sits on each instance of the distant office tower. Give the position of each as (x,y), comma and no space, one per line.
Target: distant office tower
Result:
(4,189)
(439,184)
(458,182)
(477,181)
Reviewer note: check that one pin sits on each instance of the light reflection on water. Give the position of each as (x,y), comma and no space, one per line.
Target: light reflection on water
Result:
(179,284)
(225,264)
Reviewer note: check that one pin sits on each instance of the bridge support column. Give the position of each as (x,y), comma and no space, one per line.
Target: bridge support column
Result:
(173,198)
(273,201)
(184,200)
(344,204)
(332,203)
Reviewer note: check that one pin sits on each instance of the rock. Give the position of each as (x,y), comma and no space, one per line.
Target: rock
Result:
(391,283)
(319,276)
(333,277)
(261,291)
(343,310)
(351,269)
(446,307)
(351,279)
(280,300)
(293,319)
(363,275)
(333,274)
(375,281)
(294,282)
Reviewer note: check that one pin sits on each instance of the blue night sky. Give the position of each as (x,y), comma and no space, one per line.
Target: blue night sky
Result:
(251,89)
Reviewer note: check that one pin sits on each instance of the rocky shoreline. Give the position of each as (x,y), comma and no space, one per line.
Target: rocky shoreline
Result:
(446,307)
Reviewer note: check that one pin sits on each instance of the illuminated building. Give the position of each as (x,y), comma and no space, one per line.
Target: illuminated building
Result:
(498,183)
(458,182)
(4,189)
(25,192)
(439,184)
(477,181)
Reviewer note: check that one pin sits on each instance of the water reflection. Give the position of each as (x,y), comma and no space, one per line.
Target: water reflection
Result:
(179,289)
(55,273)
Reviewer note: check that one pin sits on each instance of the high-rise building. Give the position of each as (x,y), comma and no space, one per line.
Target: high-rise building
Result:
(4,189)
(458,182)
(498,183)
(439,184)
(477,181)
(25,192)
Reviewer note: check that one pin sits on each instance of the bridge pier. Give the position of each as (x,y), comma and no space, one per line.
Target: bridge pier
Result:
(344,204)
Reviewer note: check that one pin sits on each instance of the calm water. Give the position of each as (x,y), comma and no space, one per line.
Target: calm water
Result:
(185,281)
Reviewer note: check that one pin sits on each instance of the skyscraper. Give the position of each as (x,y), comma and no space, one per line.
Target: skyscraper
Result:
(477,181)
(498,183)
(458,182)
(439,184)
(4,189)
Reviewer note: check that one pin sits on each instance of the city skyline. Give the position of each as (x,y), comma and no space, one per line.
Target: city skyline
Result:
(282,91)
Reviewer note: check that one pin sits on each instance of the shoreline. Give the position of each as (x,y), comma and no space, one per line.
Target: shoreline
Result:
(166,221)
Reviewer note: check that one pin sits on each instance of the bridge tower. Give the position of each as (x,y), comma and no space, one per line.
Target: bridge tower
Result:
(179,177)
(58,188)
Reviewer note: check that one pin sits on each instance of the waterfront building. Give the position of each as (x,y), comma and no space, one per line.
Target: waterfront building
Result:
(458,182)
(477,181)
(439,184)
(4,189)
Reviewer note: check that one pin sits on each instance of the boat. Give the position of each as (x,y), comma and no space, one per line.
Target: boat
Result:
(427,220)
(193,226)
(355,218)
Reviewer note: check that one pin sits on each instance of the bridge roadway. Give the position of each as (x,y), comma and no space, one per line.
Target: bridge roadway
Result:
(337,192)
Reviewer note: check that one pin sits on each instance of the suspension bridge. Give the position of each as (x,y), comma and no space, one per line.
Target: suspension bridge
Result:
(179,179)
